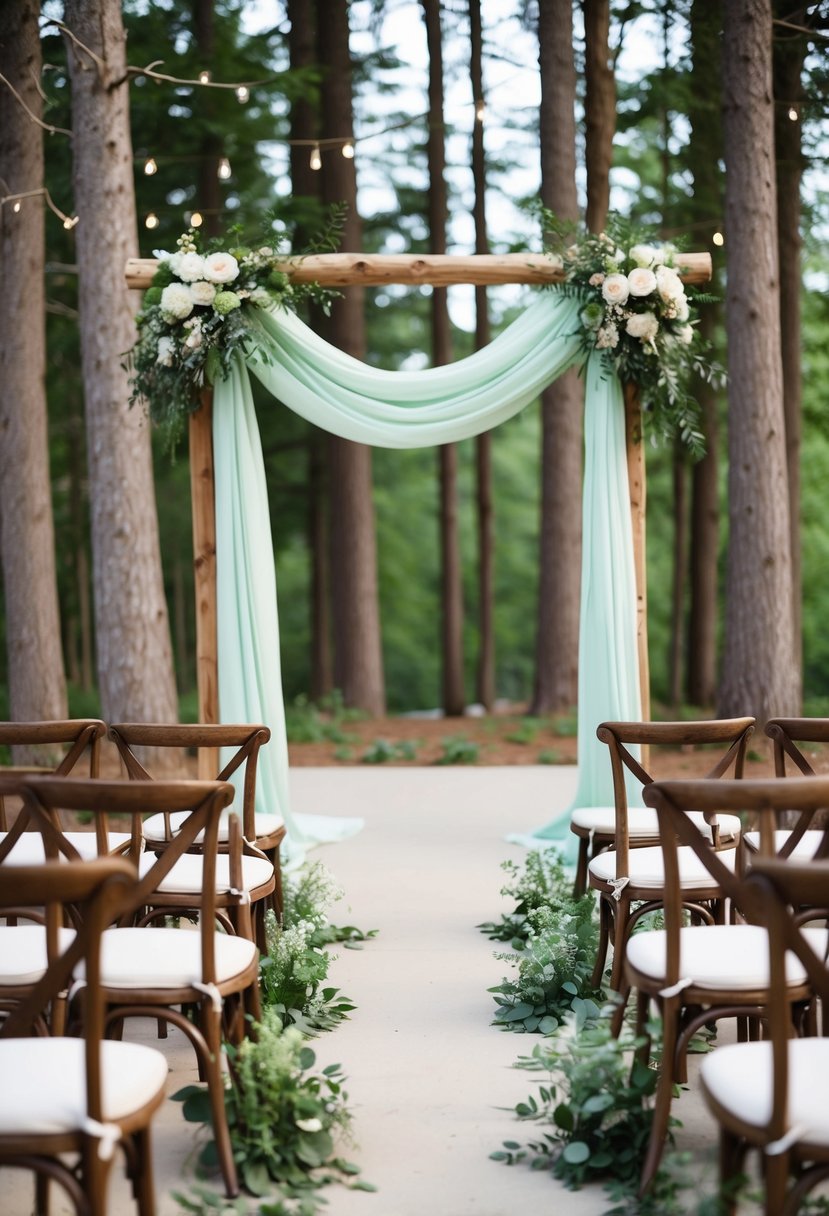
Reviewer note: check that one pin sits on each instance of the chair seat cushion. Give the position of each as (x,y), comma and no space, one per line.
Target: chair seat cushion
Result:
(717,956)
(44,1085)
(643,822)
(739,1079)
(646,868)
(23,953)
(28,850)
(168,958)
(186,875)
(804,850)
(154,833)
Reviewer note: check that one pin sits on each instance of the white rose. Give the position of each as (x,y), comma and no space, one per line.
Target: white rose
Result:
(643,255)
(641,281)
(166,350)
(684,334)
(615,289)
(259,296)
(190,266)
(682,312)
(220,268)
(176,301)
(202,292)
(669,284)
(643,325)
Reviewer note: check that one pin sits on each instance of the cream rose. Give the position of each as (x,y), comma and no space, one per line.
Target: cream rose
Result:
(176,301)
(641,281)
(202,292)
(189,266)
(669,284)
(643,325)
(220,268)
(615,289)
(643,255)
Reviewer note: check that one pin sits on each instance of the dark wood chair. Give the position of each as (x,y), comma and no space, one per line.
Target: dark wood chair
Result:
(156,971)
(68,1102)
(697,974)
(771,1095)
(260,875)
(630,881)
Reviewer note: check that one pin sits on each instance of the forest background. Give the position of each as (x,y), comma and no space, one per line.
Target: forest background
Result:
(447,634)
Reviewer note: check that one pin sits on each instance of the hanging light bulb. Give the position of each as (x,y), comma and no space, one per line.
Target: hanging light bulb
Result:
(348,149)
(150,166)
(17,206)
(196,219)
(70,222)
(224,171)
(242,93)
(480,110)
(718,238)
(204,77)
(316,159)
(793,114)
(150,222)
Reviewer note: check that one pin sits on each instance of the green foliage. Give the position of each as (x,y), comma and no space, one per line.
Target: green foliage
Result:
(525,732)
(283,1118)
(309,893)
(549,756)
(382,751)
(309,723)
(458,750)
(542,882)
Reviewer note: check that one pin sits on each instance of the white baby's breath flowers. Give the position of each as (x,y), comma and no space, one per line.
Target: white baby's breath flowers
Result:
(202,292)
(616,289)
(166,350)
(176,301)
(641,281)
(220,268)
(643,325)
(607,338)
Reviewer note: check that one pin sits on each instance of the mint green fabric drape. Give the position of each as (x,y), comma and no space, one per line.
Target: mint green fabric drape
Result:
(415,409)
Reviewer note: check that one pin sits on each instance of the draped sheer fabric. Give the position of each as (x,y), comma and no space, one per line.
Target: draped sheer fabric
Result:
(415,409)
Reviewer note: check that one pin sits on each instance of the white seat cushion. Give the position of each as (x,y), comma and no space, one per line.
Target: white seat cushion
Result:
(168,958)
(28,850)
(718,956)
(738,1077)
(643,822)
(186,875)
(153,827)
(804,850)
(646,868)
(23,952)
(44,1085)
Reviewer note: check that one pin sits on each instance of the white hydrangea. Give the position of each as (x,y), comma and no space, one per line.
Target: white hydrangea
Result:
(202,292)
(220,268)
(189,267)
(643,255)
(176,301)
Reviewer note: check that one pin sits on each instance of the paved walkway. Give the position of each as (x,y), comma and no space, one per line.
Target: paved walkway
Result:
(428,1076)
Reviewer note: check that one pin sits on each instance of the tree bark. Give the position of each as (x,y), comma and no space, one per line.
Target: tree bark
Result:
(760,674)
(358,663)
(485,671)
(134,653)
(37,685)
(557,640)
(208,190)
(452,683)
(599,111)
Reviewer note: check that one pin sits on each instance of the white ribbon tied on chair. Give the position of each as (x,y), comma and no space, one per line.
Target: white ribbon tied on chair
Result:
(776,1147)
(617,886)
(107,1135)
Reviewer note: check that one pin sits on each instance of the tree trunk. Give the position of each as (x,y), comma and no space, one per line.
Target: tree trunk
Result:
(788,56)
(358,663)
(760,674)
(599,111)
(37,686)
(208,189)
(680,560)
(135,665)
(557,640)
(452,685)
(485,673)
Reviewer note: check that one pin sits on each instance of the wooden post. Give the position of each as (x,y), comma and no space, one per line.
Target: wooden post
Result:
(204,567)
(637,491)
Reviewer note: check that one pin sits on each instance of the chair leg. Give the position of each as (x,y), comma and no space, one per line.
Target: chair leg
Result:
(730,1161)
(664,1095)
(621,922)
(144,1183)
(41,1194)
(95,1173)
(580,881)
(776,1178)
(215,1084)
(604,939)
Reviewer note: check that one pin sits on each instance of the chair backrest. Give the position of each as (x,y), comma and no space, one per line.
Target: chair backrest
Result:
(246,739)
(202,800)
(765,800)
(732,734)
(42,743)
(96,890)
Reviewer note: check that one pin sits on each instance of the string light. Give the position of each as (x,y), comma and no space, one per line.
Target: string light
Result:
(224,170)
(196,219)
(348,149)
(204,78)
(70,223)
(316,159)
(718,238)
(16,206)
(151,221)
(793,114)
(150,166)
(480,111)
(242,93)
(16,201)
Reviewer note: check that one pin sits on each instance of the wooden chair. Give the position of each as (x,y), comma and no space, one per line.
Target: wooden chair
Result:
(75,1096)
(261,874)
(153,971)
(630,882)
(771,1095)
(798,840)
(696,974)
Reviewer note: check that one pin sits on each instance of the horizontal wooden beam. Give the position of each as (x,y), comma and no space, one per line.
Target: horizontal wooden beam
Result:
(436,270)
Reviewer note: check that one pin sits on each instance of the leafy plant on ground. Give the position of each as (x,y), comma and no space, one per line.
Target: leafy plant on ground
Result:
(553,972)
(549,755)
(309,895)
(309,723)
(457,749)
(596,1106)
(291,975)
(203,1202)
(284,1119)
(525,731)
(542,882)
(382,751)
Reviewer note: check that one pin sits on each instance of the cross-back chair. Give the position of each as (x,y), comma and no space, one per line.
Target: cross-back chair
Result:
(260,876)
(697,974)
(81,1096)
(630,881)
(771,1095)
(797,840)
(156,971)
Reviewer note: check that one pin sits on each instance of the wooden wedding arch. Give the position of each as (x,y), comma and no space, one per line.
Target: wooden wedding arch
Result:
(373,270)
